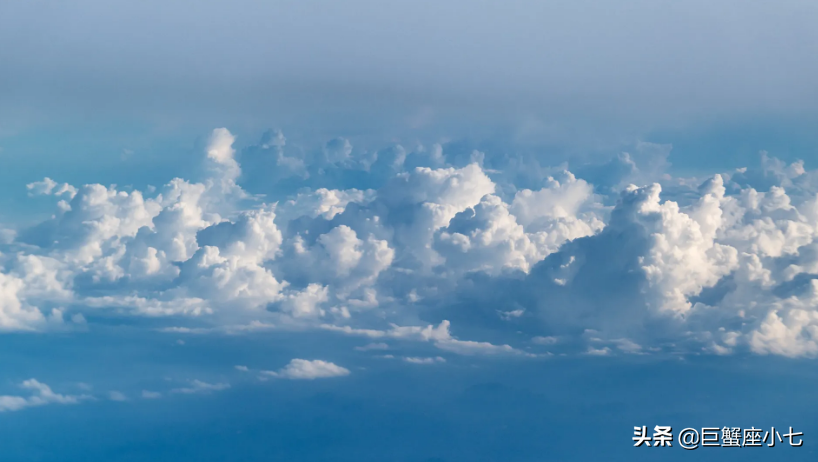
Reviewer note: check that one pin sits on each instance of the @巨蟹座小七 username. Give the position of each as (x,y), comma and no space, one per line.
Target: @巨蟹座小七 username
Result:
(694,438)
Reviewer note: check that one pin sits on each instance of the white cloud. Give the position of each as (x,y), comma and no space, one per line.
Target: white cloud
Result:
(684,256)
(439,335)
(604,351)
(430,198)
(508,315)
(726,265)
(416,360)
(303,369)
(14,313)
(469,347)
(537,209)
(50,187)
(222,156)
(197,386)
(230,329)
(793,333)
(323,202)
(628,346)
(307,302)
(41,394)
(344,264)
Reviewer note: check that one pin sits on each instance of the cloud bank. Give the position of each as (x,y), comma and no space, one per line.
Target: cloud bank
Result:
(417,245)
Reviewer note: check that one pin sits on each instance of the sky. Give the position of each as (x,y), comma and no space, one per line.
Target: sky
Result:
(412,231)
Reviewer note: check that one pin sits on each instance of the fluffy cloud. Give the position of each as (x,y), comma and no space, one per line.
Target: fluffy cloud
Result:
(492,235)
(683,256)
(326,203)
(303,369)
(14,314)
(425,200)
(396,236)
(50,187)
(339,260)
(41,394)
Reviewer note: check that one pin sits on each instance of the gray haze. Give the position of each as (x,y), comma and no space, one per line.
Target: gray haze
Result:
(633,59)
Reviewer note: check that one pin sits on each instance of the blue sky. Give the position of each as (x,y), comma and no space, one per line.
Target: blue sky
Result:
(411,231)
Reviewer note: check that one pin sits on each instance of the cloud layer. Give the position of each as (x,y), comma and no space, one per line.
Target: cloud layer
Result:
(419,244)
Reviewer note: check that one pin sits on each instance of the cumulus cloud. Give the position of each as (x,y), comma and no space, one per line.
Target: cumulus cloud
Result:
(323,202)
(40,395)
(493,235)
(683,255)
(604,351)
(50,187)
(14,313)
(722,264)
(303,369)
